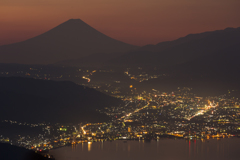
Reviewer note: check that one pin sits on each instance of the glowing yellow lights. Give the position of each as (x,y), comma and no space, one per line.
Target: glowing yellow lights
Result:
(129,120)
(89,146)
(84,77)
(63,129)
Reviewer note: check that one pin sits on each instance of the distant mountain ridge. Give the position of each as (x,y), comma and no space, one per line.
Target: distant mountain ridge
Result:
(69,40)
(188,38)
(76,43)
(181,50)
(224,62)
(208,75)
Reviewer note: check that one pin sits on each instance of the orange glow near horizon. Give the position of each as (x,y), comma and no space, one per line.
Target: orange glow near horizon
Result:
(137,22)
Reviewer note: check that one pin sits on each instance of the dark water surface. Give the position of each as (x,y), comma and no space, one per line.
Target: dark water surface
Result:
(164,149)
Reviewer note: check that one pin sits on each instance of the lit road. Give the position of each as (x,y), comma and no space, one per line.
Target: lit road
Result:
(84,131)
(129,114)
(201,112)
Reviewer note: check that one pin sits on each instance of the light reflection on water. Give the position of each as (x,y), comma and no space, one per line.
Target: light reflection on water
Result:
(89,146)
(166,149)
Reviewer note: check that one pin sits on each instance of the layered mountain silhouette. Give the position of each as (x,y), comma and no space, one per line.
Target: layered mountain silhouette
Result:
(72,39)
(181,50)
(208,75)
(224,62)
(32,100)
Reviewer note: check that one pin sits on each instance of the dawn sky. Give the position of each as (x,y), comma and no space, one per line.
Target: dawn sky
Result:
(137,22)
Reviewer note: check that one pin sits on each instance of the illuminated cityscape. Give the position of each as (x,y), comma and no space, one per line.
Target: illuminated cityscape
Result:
(113,80)
(142,116)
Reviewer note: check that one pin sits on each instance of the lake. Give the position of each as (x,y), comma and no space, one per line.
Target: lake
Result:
(164,149)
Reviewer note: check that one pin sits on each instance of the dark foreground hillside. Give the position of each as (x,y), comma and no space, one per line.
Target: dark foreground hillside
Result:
(9,152)
(32,100)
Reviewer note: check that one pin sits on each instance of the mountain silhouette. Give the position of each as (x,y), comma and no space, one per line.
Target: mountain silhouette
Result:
(224,63)
(181,50)
(70,40)
(11,152)
(33,100)
(209,75)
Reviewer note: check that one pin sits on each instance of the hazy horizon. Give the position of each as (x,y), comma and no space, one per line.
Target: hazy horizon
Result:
(116,38)
(134,22)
